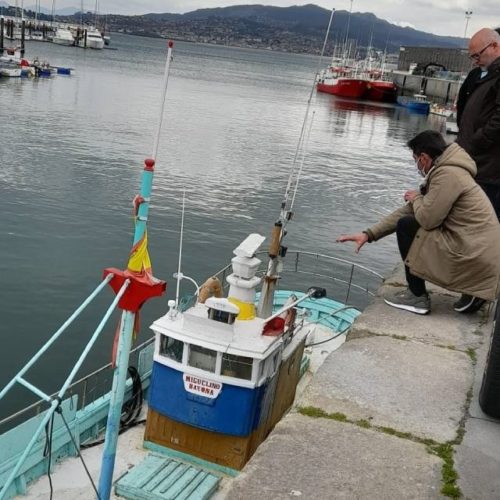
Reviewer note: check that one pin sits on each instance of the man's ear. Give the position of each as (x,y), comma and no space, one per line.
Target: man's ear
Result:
(428,159)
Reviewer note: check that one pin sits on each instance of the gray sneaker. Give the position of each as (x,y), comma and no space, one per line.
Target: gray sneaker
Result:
(406,300)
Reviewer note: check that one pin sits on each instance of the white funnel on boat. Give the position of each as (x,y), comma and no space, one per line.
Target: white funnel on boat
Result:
(243,282)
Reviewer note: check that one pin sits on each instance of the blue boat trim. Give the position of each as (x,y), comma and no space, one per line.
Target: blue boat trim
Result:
(320,310)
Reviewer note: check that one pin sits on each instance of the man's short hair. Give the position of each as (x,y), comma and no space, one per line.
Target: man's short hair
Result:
(428,141)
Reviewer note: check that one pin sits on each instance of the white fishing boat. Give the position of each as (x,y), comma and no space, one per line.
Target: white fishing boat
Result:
(63,36)
(221,371)
(95,40)
(90,38)
(37,36)
(441,110)
(10,69)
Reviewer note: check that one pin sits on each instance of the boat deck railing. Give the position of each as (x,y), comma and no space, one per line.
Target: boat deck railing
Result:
(345,281)
(88,388)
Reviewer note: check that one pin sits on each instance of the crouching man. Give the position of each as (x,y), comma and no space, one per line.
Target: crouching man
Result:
(447,232)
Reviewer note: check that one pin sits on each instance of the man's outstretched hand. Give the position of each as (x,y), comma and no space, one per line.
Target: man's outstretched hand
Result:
(360,239)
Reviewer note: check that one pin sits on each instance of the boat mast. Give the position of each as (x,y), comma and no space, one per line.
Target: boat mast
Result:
(53,12)
(344,63)
(96,10)
(181,240)
(139,273)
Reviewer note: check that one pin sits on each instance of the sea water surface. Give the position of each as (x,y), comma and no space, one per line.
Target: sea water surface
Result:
(72,151)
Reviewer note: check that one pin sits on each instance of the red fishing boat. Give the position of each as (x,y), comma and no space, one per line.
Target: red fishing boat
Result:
(381,90)
(379,87)
(342,82)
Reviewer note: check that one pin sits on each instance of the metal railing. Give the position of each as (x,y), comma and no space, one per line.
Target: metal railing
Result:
(345,281)
(88,388)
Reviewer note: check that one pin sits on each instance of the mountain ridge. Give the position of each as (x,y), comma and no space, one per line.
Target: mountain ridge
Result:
(294,29)
(313,19)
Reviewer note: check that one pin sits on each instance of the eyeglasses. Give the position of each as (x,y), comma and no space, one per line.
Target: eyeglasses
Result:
(477,55)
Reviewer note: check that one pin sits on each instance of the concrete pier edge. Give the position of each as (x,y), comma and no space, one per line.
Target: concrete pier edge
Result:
(391,414)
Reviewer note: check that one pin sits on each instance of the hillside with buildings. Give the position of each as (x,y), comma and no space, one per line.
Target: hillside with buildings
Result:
(292,29)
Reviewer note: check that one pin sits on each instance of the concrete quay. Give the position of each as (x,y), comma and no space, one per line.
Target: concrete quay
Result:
(392,414)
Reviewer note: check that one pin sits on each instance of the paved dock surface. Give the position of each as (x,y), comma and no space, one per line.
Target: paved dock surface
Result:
(392,414)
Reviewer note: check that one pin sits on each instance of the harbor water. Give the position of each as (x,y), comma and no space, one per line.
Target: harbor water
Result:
(72,151)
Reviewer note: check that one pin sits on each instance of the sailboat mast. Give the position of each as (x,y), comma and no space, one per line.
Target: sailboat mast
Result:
(53,12)
(347,34)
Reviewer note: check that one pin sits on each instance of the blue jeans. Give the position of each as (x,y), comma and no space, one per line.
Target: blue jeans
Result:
(493,193)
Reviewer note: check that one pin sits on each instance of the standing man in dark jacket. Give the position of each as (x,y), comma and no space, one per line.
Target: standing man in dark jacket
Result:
(469,85)
(479,125)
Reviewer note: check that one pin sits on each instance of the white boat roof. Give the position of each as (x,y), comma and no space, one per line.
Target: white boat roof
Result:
(194,327)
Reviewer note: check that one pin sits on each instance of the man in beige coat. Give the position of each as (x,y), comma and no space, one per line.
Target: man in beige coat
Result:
(447,233)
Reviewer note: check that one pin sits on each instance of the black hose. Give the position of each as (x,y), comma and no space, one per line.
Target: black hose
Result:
(131,409)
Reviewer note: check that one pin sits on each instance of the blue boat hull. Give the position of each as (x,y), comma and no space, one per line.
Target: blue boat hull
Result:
(236,411)
(414,105)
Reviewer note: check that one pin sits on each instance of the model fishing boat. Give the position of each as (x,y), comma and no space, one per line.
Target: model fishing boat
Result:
(222,371)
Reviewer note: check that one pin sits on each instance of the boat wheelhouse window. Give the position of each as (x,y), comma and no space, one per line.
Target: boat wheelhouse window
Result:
(171,348)
(236,366)
(221,316)
(202,358)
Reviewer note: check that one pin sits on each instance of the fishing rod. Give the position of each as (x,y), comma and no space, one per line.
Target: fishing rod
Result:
(276,250)
(286,214)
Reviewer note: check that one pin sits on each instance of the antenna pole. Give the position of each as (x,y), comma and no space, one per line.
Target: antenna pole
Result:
(179,275)
(163,99)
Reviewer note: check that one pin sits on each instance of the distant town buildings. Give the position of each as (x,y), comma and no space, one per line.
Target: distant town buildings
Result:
(454,60)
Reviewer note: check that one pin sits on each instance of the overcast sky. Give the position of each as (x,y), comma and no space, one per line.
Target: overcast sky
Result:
(442,17)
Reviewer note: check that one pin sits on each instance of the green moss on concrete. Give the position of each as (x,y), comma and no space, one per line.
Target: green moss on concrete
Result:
(399,337)
(448,472)
(443,450)
(363,423)
(311,411)
(450,347)
(472,354)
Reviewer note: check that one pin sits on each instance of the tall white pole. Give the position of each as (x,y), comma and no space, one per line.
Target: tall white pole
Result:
(468,14)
